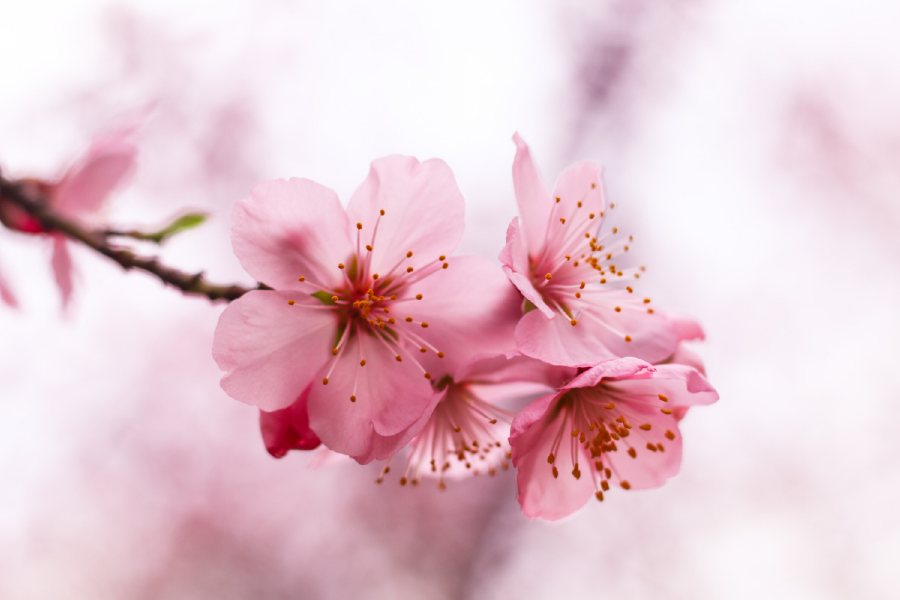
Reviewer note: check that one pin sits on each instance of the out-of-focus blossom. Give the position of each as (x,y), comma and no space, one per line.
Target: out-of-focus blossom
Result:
(564,268)
(366,303)
(467,432)
(6,293)
(615,421)
(79,194)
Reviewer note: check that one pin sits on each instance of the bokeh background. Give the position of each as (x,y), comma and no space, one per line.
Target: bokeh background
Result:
(752,148)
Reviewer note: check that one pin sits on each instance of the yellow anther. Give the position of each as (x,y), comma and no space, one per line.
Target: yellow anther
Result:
(651,447)
(630,291)
(568,257)
(325,381)
(592,215)
(334,351)
(291,302)
(548,276)
(442,257)
(618,309)
(576,472)
(613,205)
(626,248)
(632,453)
(579,204)
(375,276)
(557,199)
(409,254)
(409,269)
(340,265)
(627,338)
(604,484)
(650,310)
(398,358)
(393,296)
(352,398)
(403,481)
(666,411)
(440,355)
(424,325)
(660,448)
(581,287)
(615,230)
(423,350)
(551,458)
(663,398)
(382,212)
(603,280)
(625,485)
(645,427)
(646,300)
(409,319)
(362,363)
(578,294)
(301,278)
(561,220)
(609,405)
(599,496)
(573,322)
(555,473)
(369,247)
(334,298)
(445,265)
(593,185)
(587,235)
(359,225)
(392,320)
(670,435)
(418,296)
(427,375)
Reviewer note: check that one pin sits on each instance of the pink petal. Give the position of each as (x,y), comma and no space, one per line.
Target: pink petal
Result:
(583,183)
(424,212)
(290,229)
(384,447)
(62,268)
(685,356)
(85,187)
(270,350)
(532,197)
(489,368)
(540,494)
(514,257)
(649,469)
(288,428)
(6,294)
(621,368)
(470,308)
(558,342)
(390,397)
(682,385)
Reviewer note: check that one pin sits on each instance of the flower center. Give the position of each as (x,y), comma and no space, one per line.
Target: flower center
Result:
(464,435)
(600,421)
(380,305)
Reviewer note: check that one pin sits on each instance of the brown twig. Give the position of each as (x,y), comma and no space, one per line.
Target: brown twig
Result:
(26,198)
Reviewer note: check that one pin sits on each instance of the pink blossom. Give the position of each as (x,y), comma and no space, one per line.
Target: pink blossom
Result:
(467,431)
(584,308)
(611,425)
(79,194)
(366,302)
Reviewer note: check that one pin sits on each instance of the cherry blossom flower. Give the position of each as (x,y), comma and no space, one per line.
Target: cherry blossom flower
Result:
(611,425)
(580,304)
(366,302)
(467,431)
(79,194)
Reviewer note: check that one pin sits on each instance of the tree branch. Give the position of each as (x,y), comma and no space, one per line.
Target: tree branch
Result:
(36,205)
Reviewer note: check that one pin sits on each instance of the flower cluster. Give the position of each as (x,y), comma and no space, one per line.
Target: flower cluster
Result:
(375,341)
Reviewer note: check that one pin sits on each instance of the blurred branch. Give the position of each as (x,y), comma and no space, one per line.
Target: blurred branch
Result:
(189,283)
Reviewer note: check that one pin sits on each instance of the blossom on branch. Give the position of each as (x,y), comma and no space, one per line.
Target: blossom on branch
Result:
(581,307)
(367,307)
(613,424)
(79,194)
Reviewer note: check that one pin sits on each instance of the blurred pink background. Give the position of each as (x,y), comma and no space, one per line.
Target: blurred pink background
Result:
(752,147)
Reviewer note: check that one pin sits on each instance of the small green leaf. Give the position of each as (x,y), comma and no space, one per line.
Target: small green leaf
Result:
(324,297)
(180,224)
